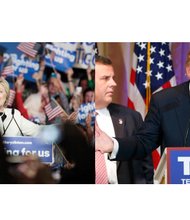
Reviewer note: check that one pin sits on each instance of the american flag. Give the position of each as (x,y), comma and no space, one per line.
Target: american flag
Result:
(151,71)
(7,68)
(53,109)
(11,98)
(29,48)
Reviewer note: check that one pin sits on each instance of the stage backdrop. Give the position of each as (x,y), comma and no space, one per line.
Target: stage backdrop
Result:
(121,55)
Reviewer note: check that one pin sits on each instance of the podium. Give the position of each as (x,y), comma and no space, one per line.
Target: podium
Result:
(174,166)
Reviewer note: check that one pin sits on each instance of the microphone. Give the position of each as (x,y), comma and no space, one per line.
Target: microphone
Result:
(13,112)
(187,133)
(3,117)
(4,130)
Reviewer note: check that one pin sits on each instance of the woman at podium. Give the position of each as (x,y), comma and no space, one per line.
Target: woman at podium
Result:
(12,123)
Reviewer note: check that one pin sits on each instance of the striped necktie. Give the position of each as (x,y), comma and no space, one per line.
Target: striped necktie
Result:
(101,172)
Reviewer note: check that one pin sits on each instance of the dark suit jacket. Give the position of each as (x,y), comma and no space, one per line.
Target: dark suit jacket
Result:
(167,123)
(126,122)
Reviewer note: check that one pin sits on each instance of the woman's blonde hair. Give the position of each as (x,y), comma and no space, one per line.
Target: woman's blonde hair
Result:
(5,85)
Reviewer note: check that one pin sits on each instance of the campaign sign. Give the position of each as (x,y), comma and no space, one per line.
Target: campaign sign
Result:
(85,55)
(23,146)
(83,112)
(21,63)
(65,55)
(60,58)
(178,165)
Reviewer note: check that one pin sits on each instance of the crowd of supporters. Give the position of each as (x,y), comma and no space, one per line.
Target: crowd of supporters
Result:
(55,98)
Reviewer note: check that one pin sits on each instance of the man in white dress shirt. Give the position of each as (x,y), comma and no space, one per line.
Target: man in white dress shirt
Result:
(118,121)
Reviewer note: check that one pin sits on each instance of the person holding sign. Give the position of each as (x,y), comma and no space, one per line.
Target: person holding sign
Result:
(12,123)
(116,121)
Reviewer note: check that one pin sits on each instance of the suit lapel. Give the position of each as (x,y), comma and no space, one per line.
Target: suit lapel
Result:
(1,126)
(119,124)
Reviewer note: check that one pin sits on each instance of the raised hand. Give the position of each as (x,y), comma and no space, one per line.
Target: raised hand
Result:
(19,82)
(69,73)
(88,121)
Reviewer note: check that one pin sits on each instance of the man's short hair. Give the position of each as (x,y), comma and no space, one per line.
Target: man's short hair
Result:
(103,60)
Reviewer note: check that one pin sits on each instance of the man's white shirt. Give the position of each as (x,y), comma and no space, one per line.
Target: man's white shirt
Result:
(105,123)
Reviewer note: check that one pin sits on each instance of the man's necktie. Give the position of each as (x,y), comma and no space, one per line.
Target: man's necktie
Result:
(101,172)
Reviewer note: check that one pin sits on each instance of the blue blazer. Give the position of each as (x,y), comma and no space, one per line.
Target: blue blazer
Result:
(166,124)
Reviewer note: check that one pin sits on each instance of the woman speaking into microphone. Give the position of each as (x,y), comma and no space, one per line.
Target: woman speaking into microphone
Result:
(12,123)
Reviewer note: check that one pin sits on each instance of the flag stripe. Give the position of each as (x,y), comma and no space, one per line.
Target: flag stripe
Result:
(53,112)
(7,67)
(28,48)
(7,70)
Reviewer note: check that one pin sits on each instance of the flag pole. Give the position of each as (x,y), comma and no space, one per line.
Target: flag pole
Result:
(148,81)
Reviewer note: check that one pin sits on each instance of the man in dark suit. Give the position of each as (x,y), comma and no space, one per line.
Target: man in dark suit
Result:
(167,124)
(118,121)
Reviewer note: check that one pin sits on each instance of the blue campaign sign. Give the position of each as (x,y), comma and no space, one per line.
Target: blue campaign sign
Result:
(85,55)
(60,57)
(83,112)
(23,146)
(63,56)
(178,165)
(21,63)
